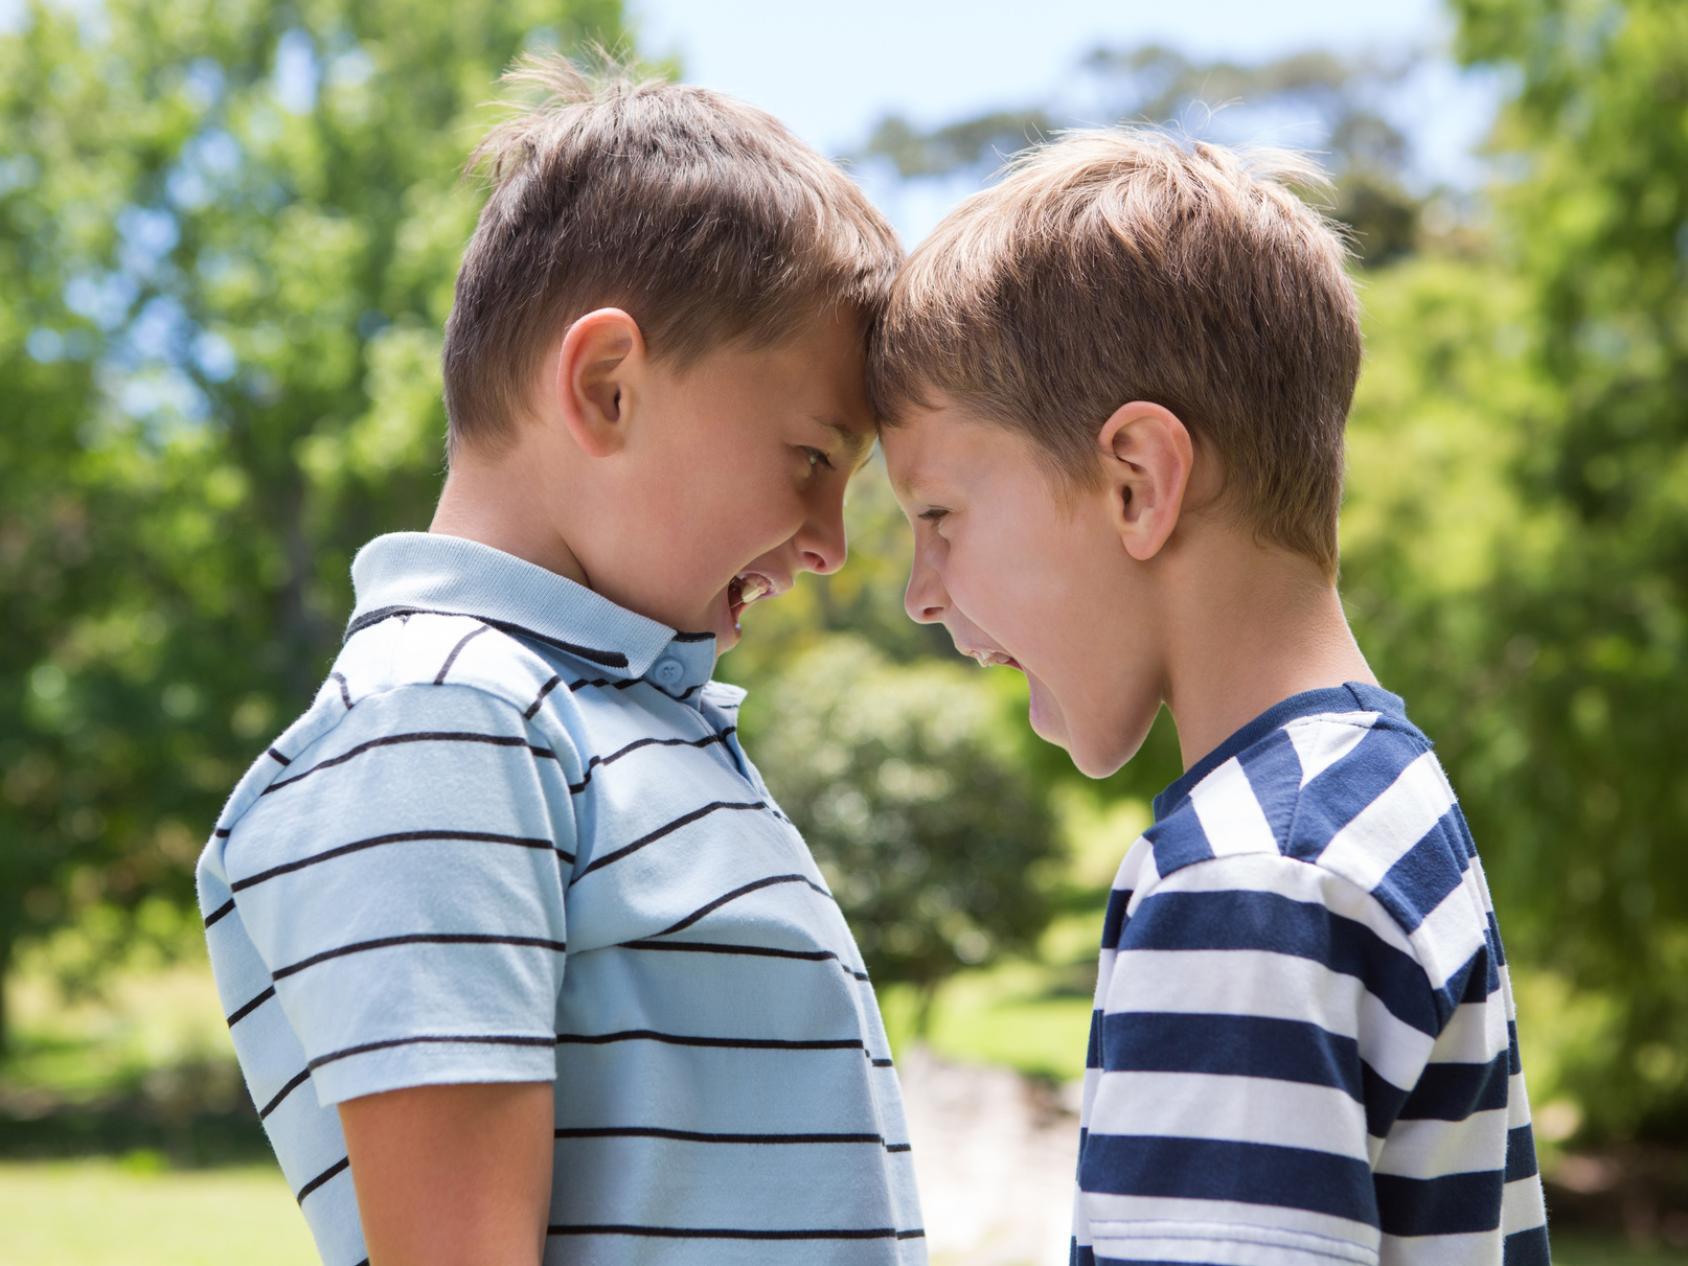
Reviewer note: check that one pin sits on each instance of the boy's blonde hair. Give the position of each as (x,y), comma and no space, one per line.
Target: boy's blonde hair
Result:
(701,216)
(1116,265)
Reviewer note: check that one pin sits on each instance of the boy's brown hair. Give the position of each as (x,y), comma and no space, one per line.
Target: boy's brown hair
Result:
(1116,265)
(701,216)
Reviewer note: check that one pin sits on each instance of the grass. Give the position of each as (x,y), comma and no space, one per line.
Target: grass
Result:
(135,1213)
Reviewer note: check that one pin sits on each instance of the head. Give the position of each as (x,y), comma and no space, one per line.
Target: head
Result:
(1117,375)
(658,340)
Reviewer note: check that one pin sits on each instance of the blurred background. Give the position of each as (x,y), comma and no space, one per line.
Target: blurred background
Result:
(228,235)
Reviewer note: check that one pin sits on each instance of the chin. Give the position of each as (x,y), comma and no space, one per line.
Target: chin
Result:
(1104,755)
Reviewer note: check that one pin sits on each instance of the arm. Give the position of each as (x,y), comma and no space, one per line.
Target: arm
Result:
(452,1174)
(405,890)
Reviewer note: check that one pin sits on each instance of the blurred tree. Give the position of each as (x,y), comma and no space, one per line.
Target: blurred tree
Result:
(1334,103)
(228,235)
(1588,620)
(908,783)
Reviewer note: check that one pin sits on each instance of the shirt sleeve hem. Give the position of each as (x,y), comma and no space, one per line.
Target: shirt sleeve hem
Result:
(401,1067)
(1224,1244)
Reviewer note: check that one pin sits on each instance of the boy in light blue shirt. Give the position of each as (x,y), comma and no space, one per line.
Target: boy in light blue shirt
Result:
(521,960)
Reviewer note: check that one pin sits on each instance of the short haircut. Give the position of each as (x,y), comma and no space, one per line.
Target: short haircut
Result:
(1118,264)
(701,216)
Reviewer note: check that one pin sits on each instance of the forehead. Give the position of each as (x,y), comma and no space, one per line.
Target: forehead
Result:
(947,447)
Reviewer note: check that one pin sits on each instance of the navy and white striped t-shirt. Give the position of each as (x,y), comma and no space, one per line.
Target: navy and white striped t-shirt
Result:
(515,839)
(1304,1046)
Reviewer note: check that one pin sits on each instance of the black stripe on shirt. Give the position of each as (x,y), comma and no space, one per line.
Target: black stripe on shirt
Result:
(729,1043)
(696,1136)
(439,678)
(417,736)
(761,951)
(418,938)
(345,691)
(394,837)
(547,688)
(246,1009)
(729,1233)
(321,1178)
(575,788)
(473,1039)
(620,683)
(675,825)
(299,1080)
(610,659)
(736,893)
(275,755)
(219,912)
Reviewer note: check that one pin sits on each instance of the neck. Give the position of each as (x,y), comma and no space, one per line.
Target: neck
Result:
(1267,625)
(502,501)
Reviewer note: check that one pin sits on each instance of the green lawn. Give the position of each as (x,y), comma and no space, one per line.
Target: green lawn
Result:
(103,1213)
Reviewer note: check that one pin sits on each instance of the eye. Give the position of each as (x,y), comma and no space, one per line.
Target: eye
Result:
(934,516)
(816,457)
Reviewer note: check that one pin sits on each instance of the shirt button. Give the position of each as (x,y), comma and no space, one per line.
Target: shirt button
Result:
(669,671)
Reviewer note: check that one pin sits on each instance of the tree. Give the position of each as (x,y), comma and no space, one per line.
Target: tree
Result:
(1338,104)
(907,782)
(1590,624)
(229,238)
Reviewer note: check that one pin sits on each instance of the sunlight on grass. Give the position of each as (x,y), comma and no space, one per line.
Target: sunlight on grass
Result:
(108,1213)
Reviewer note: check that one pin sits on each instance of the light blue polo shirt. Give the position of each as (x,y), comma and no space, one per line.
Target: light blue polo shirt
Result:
(515,838)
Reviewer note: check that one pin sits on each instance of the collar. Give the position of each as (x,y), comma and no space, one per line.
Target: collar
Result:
(405,572)
(1351,696)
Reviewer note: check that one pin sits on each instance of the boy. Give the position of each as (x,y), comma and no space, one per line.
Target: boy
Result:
(520,958)
(1116,386)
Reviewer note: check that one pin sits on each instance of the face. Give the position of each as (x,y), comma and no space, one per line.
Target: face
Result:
(738,466)
(1026,575)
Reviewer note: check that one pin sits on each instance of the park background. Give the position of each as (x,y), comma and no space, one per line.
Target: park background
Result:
(228,233)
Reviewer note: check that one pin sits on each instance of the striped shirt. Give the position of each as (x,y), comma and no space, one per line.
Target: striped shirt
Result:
(515,838)
(1304,1047)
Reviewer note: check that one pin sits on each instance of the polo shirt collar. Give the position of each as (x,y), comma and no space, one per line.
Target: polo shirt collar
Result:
(415,572)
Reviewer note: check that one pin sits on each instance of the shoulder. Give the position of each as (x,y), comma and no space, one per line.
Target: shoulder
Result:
(1351,812)
(453,680)
(1350,793)
(434,650)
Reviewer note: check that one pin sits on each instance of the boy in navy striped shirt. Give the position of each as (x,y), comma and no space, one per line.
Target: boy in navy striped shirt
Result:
(521,960)
(1115,387)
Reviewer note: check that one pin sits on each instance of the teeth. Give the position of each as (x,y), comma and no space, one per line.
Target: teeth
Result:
(988,659)
(752,587)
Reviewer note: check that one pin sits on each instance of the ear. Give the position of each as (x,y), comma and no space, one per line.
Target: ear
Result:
(1147,457)
(598,363)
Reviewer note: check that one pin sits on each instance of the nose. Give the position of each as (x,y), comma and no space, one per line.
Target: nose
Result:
(821,543)
(924,599)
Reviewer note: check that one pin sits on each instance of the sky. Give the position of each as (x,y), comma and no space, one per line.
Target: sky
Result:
(832,71)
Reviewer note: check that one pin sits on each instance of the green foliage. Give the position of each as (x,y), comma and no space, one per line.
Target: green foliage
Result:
(1338,101)
(228,233)
(908,786)
(1588,617)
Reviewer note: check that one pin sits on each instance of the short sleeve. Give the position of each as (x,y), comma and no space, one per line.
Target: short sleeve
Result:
(1261,1023)
(402,879)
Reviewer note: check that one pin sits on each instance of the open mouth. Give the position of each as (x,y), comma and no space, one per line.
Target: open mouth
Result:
(744,589)
(992,659)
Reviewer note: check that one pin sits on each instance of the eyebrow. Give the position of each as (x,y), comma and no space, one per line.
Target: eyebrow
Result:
(854,441)
(909,486)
